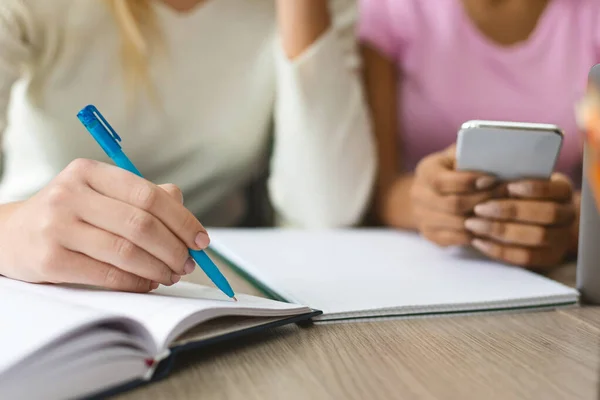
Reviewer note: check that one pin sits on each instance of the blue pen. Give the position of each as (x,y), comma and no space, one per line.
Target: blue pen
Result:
(109,140)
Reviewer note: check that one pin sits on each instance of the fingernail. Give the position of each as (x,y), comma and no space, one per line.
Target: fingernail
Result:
(154,286)
(487,210)
(202,240)
(190,266)
(175,278)
(481,245)
(485,182)
(519,189)
(476,225)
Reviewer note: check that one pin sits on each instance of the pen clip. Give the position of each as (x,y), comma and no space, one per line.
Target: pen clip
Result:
(105,123)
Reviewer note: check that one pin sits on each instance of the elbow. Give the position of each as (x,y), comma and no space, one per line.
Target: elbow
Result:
(323,213)
(340,203)
(349,209)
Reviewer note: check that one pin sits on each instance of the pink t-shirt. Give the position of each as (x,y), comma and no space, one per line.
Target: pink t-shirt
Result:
(452,73)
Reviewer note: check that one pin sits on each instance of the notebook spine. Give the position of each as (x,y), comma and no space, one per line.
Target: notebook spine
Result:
(153,364)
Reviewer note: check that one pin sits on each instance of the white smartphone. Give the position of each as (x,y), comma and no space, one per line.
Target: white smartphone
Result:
(508,150)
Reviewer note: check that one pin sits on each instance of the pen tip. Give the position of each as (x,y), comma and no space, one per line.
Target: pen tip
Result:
(234,299)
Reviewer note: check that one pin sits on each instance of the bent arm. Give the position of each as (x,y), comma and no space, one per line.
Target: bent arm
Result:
(323,164)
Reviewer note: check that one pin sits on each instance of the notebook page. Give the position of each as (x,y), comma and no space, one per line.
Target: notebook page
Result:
(356,270)
(168,308)
(29,322)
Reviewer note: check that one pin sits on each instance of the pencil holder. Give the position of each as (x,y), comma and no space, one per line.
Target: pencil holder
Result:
(588,260)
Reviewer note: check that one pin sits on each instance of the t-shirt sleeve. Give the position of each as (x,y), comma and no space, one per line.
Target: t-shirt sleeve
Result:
(597,38)
(375,28)
(384,25)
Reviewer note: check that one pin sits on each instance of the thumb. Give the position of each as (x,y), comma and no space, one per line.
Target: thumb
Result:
(437,171)
(173,191)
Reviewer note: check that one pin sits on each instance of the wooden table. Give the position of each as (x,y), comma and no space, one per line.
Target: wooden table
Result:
(542,355)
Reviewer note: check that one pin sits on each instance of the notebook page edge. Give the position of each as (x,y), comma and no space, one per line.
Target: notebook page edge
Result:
(550,302)
(207,315)
(88,319)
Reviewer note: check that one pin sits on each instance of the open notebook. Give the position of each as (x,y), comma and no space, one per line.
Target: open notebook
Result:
(351,274)
(62,342)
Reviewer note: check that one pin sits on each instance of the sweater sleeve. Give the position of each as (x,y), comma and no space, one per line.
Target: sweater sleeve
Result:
(324,161)
(15,50)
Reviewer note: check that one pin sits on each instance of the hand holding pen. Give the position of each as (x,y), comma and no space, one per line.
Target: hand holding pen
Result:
(101,225)
(97,224)
(109,140)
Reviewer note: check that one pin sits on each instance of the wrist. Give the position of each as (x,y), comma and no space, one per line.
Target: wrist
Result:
(6,211)
(301,23)
(394,208)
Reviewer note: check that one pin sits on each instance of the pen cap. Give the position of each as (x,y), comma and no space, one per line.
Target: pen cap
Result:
(100,129)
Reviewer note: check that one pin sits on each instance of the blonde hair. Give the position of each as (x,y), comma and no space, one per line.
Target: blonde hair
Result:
(140,33)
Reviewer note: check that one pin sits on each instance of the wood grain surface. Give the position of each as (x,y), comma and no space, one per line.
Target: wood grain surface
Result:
(541,355)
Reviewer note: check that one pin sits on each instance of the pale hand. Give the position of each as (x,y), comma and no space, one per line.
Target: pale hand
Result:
(96,224)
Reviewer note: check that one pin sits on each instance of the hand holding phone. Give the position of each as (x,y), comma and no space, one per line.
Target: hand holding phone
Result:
(442,198)
(534,226)
(532,223)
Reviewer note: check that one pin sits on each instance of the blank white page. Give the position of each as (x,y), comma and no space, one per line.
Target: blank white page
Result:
(370,271)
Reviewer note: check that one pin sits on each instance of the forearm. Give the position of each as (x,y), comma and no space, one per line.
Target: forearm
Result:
(394,204)
(301,23)
(382,82)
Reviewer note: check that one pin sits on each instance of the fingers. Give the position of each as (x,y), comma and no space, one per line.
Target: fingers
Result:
(461,204)
(119,252)
(558,188)
(515,233)
(173,191)
(530,212)
(437,171)
(432,219)
(442,197)
(76,268)
(523,232)
(141,229)
(442,229)
(541,257)
(447,237)
(129,188)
